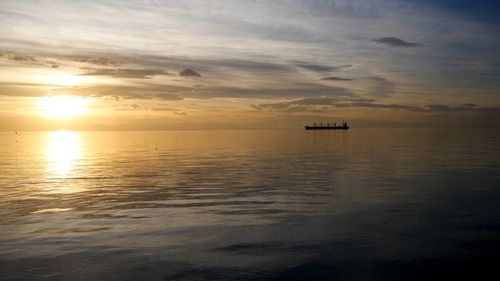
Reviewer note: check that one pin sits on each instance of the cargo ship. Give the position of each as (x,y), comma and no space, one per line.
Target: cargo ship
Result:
(328,126)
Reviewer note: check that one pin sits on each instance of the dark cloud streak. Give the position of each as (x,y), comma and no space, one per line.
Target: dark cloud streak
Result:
(322,68)
(189,73)
(396,42)
(335,78)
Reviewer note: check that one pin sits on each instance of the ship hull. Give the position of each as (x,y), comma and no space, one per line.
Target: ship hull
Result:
(326,128)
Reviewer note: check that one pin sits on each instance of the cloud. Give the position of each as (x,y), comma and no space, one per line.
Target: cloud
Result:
(97,61)
(124,72)
(326,104)
(163,108)
(321,68)
(396,42)
(181,113)
(468,107)
(136,106)
(377,105)
(437,107)
(152,92)
(335,78)
(329,100)
(281,106)
(141,107)
(13,90)
(19,58)
(179,91)
(25,59)
(55,59)
(297,90)
(189,73)
(250,65)
(380,87)
(22,58)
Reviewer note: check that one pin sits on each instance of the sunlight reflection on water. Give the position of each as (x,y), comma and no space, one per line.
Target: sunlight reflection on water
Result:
(62,152)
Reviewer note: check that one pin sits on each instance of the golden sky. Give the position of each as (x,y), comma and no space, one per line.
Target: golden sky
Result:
(245,64)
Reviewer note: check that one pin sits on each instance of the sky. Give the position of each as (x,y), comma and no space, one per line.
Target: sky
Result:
(118,65)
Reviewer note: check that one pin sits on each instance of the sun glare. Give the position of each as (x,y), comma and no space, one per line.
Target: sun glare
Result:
(63,149)
(62,106)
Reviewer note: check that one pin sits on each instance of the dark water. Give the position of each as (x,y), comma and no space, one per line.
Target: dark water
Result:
(389,204)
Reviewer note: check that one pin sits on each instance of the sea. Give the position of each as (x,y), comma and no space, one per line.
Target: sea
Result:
(361,204)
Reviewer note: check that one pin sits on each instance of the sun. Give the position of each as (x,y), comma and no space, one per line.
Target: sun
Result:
(62,106)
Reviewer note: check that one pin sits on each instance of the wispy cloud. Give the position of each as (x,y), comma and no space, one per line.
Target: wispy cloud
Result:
(27,59)
(21,58)
(322,67)
(396,42)
(327,104)
(150,92)
(380,87)
(124,72)
(96,60)
(296,90)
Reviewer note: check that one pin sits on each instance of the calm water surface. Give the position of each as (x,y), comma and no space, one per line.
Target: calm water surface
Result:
(366,204)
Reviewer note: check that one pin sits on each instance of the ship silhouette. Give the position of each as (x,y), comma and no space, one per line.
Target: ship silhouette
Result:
(328,126)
